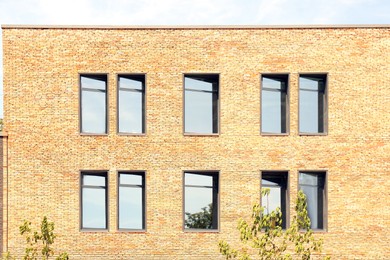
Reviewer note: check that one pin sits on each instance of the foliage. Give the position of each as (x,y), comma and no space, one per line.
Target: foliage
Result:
(39,244)
(264,235)
(202,219)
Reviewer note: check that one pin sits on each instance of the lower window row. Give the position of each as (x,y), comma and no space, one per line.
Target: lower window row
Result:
(201,198)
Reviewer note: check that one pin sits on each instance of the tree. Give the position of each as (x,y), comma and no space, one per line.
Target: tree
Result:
(202,219)
(39,241)
(265,237)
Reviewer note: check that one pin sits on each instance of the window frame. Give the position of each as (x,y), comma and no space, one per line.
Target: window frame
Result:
(324,75)
(82,173)
(217,105)
(280,75)
(286,175)
(144,117)
(213,173)
(90,75)
(144,206)
(325,173)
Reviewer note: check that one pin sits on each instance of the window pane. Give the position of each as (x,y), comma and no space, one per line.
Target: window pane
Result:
(94,180)
(129,83)
(194,83)
(270,182)
(311,193)
(277,183)
(198,179)
(130,208)
(312,184)
(198,112)
(271,111)
(130,112)
(273,83)
(94,208)
(94,82)
(272,201)
(132,179)
(311,104)
(309,179)
(273,104)
(198,207)
(312,83)
(308,111)
(200,201)
(93,110)
(201,104)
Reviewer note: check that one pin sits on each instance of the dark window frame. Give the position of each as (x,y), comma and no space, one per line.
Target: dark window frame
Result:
(104,173)
(285,198)
(216,198)
(216,103)
(92,75)
(143,186)
(324,216)
(144,101)
(325,106)
(280,75)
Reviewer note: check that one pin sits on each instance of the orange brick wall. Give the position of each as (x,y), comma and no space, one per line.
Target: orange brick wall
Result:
(47,152)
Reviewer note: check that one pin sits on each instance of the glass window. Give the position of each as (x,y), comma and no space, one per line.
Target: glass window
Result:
(201,200)
(313,185)
(93,104)
(312,104)
(201,103)
(94,200)
(274,104)
(131,104)
(277,183)
(131,197)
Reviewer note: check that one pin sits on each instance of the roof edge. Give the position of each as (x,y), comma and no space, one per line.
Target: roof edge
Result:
(189,27)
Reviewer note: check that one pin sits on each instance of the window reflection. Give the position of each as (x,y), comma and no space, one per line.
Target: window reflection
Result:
(131,104)
(131,201)
(312,104)
(201,200)
(313,185)
(93,104)
(94,201)
(201,104)
(277,183)
(274,104)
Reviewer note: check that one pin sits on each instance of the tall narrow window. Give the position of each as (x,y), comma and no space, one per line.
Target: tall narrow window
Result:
(274,104)
(312,104)
(93,104)
(201,103)
(94,200)
(277,183)
(313,185)
(201,200)
(131,197)
(131,104)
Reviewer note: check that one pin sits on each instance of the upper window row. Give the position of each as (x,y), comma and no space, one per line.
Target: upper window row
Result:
(201,103)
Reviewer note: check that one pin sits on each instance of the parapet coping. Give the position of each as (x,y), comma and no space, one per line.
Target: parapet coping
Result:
(191,27)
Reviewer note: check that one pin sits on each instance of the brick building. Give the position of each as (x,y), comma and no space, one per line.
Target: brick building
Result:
(115,133)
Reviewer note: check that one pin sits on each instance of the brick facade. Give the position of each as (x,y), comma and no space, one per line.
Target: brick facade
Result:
(46,151)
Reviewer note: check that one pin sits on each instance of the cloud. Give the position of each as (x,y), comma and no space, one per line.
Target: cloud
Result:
(323,12)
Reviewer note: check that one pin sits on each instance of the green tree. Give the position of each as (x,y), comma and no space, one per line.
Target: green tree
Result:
(202,219)
(264,237)
(39,244)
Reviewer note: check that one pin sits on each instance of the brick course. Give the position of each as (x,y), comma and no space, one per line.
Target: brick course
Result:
(46,151)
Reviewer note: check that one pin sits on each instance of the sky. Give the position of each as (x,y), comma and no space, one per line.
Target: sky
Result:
(189,12)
